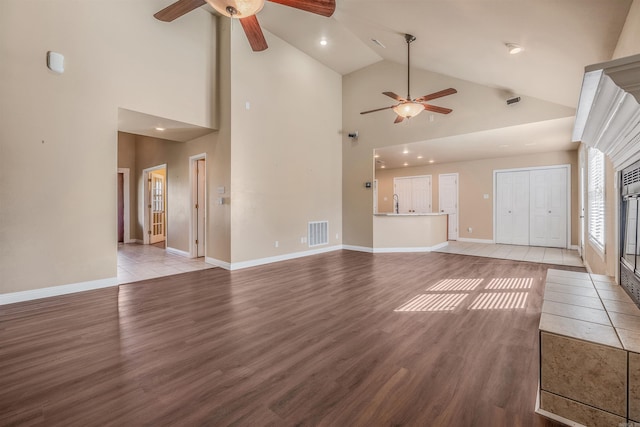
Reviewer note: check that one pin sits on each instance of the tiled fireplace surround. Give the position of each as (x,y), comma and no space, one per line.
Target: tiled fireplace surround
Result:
(589,351)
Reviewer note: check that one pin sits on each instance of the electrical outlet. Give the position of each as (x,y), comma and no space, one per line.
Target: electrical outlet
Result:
(470,230)
(276,244)
(337,236)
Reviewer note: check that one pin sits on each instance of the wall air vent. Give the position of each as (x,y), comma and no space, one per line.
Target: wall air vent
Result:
(631,180)
(318,233)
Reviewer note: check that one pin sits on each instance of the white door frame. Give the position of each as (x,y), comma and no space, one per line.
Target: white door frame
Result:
(193,217)
(457,224)
(127,210)
(375,196)
(146,221)
(495,193)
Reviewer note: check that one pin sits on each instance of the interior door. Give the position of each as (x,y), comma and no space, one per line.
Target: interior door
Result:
(548,202)
(421,194)
(157,207)
(448,201)
(512,207)
(403,190)
(200,207)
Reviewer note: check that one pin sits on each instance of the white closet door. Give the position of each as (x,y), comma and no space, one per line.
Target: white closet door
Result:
(548,207)
(512,205)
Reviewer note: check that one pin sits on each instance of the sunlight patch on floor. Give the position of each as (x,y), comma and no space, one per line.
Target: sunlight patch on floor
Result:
(456,285)
(433,302)
(510,283)
(445,295)
(499,301)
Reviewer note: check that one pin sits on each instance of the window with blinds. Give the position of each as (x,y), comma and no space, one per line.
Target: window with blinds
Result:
(596,198)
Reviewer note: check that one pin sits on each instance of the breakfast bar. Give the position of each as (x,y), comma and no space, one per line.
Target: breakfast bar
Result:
(413,232)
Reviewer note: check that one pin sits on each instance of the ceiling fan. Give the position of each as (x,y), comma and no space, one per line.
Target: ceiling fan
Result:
(245,11)
(407,107)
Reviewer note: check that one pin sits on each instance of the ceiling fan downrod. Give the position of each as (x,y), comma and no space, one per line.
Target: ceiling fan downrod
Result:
(409,38)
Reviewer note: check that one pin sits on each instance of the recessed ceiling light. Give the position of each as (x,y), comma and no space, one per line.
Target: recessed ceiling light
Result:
(382,167)
(376,155)
(419,157)
(406,164)
(160,129)
(514,48)
(323,42)
(405,151)
(431,161)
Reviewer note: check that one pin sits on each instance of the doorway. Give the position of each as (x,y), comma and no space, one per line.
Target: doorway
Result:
(155,205)
(448,201)
(124,222)
(197,230)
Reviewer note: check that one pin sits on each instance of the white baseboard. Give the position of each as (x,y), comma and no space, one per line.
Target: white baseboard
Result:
(178,252)
(278,258)
(358,248)
(218,263)
(587,266)
(574,247)
(53,291)
(131,241)
(411,249)
(470,240)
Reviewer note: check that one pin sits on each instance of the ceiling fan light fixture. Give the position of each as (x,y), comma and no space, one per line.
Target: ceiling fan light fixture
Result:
(514,48)
(237,8)
(408,109)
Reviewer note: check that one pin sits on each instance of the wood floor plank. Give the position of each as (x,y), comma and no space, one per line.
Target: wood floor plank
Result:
(312,341)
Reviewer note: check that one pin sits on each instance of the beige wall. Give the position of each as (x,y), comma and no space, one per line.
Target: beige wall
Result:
(65,126)
(286,149)
(629,40)
(475,178)
(476,108)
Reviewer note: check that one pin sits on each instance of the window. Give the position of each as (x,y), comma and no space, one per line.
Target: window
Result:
(596,198)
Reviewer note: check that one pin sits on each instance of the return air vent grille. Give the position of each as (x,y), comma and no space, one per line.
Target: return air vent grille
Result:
(631,180)
(318,233)
(631,176)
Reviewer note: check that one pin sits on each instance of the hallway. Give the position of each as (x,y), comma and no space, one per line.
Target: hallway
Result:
(140,262)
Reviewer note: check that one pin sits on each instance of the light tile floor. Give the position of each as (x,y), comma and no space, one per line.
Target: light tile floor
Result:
(519,253)
(139,262)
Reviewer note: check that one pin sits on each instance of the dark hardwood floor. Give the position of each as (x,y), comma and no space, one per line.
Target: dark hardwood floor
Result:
(313,341)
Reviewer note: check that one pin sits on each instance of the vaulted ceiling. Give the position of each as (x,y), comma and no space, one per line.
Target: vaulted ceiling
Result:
(464,39)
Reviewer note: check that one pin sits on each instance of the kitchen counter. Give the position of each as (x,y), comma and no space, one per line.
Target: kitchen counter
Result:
(414,232)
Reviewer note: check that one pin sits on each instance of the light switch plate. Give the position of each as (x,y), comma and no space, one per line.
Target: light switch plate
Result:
(55,62)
